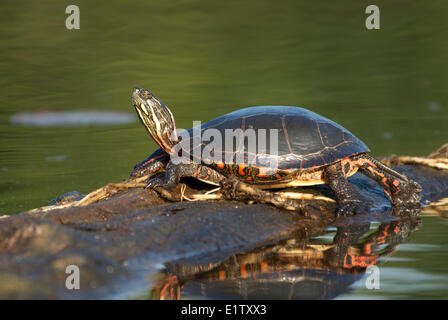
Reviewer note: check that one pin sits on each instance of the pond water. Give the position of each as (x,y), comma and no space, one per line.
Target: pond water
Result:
(205,59)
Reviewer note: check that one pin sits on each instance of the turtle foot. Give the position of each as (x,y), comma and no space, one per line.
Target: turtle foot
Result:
(159,182)
(230,189)
(408,196)
(351,207)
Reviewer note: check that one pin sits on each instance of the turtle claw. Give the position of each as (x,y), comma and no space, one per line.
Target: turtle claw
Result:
(154,183)
(160,182)
(349,207)
(345,211)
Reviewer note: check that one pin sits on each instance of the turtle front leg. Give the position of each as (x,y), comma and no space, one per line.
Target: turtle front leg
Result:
(153,164)
(347,197)
(170,179)
(400,190)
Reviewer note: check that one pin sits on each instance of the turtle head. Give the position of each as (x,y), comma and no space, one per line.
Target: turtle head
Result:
(156,117)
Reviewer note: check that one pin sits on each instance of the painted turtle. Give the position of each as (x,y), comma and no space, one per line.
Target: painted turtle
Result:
(311,150)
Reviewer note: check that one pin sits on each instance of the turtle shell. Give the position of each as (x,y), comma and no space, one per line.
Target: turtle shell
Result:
(305,139)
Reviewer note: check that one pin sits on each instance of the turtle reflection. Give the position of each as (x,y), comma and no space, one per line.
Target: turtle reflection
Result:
(315,268)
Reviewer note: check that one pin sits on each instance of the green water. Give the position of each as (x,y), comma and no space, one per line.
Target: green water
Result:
(204,59)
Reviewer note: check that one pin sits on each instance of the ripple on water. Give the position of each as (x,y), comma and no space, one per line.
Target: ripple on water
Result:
(72,118)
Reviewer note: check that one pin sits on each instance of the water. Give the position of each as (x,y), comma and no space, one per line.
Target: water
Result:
(205,59)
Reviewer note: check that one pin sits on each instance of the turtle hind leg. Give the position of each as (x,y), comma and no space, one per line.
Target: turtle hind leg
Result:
(347,197)
(400,190)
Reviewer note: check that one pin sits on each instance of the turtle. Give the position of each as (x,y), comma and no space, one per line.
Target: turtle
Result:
(311,150)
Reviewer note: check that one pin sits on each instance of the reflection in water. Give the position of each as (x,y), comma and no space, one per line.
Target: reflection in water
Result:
(315,268)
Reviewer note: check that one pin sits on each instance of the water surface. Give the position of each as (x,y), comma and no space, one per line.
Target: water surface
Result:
(204,59)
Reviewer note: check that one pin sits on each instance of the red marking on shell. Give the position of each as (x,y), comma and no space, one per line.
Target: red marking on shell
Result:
(241,168)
